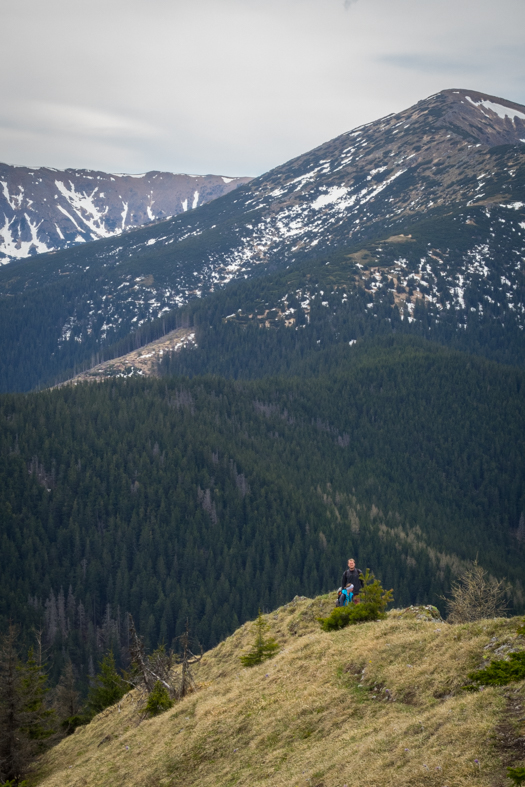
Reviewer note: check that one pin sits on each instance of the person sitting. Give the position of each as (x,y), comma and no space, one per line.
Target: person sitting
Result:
(346,596)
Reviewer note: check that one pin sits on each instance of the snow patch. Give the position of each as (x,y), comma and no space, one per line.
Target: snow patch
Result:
(15,200)
(334,195)
(499,109)
(85,208)
(15,248)
(125,175)
(62,210)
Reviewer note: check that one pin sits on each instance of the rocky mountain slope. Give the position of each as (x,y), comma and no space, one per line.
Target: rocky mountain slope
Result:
(373,704)
(43,209)
(427,205)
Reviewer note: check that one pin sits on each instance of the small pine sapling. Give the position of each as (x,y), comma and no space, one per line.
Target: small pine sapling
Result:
(263,647)
(374,596)
(158,700)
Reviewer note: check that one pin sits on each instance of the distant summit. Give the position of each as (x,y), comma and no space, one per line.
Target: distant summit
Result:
(43,209)
(426,206)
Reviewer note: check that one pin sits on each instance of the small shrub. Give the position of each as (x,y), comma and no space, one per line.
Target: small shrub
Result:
(158,700)
(476,596)
(263,648)
(521,629)
(500,672)
(341,617)
(517,775)
(374,600)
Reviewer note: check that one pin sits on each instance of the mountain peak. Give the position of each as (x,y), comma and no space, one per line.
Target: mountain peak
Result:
(455,154)
(489,119)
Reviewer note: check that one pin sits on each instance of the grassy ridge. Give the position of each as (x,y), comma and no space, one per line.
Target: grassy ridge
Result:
(376,704)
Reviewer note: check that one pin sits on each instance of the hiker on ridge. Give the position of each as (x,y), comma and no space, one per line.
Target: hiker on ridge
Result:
(352,576)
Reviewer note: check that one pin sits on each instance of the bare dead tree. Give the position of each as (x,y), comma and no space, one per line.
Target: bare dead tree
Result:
(147,670)
(188,658)
(159,667)
(138,659)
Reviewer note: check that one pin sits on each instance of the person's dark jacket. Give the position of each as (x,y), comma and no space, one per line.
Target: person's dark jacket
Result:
(353,577)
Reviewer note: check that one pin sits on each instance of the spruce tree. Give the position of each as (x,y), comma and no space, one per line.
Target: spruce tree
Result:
(25,721)
(38,725)
(159,700)
(263,647)
(108,686)
(15,748)
(67,701)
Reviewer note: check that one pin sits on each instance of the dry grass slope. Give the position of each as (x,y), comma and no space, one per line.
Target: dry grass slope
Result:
(378,704)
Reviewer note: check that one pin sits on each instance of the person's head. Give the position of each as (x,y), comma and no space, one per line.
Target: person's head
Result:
(351,564)
(349,587)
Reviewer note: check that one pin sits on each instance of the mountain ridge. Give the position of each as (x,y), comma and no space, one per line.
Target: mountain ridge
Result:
(423,172)
(45,209)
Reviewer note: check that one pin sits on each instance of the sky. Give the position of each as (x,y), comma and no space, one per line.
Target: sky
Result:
(233,87)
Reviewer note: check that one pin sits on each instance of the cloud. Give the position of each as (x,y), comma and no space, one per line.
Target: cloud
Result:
(77,119)
(423,62)
(73,120)
(238,86)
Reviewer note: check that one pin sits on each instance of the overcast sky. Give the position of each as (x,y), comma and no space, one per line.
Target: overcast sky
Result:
(233,87)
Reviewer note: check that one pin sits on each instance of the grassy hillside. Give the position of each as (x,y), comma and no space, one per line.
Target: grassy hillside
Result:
(376,704)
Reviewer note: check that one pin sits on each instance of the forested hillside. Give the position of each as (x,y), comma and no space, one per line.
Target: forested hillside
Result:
(284,322)
(205,499)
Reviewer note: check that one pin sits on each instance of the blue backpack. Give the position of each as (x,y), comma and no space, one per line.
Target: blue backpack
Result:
(344,597)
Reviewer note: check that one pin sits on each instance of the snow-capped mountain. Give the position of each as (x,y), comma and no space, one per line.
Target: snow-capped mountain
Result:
(448,173)
(42,209)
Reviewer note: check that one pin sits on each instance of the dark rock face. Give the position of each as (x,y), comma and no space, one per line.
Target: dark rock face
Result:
(45,209)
